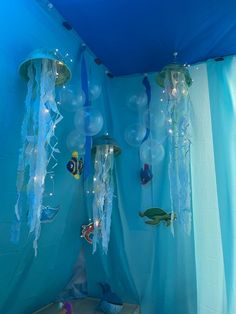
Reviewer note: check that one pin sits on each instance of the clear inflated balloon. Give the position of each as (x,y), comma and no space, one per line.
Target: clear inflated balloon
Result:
(89,120)
(134,134)
(137,101)
(71,100)
(75,141)
(156,119)
(95,89)
(151,151)
(160,134)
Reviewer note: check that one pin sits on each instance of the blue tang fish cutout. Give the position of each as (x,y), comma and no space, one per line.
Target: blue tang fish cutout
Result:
(146,174)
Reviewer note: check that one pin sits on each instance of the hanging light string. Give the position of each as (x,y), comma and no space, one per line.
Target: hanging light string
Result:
(103,196)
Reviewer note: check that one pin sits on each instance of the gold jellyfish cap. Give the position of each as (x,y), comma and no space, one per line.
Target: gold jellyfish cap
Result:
(63,71)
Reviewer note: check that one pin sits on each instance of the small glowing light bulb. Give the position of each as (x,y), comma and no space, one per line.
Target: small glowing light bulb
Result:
(51,194)
(96,222)
(94,179)
(35,178)
(170,131)
(174,91)
(161,99)
(63,86)
(46,110)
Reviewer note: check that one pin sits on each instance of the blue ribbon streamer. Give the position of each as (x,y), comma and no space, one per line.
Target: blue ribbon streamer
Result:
(88,141)
(147,86)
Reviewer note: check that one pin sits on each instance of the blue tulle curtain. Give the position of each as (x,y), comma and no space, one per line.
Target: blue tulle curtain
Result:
(144,264)
(187,273)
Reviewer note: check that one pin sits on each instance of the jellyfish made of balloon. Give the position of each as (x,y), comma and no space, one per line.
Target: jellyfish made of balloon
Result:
(103,186)
(175,80)
(44,72)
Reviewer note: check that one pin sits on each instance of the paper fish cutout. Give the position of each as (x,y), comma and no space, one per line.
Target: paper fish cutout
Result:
(75,165)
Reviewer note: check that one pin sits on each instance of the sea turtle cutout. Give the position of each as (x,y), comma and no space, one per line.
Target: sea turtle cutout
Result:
(156,215)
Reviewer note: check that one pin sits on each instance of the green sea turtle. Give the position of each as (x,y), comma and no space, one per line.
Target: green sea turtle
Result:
(157,215)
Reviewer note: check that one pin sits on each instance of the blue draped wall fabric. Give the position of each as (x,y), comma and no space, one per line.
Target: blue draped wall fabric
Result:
(146,265)
(28,283)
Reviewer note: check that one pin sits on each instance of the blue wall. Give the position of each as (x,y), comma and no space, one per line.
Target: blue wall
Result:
(145,264)
(27,283)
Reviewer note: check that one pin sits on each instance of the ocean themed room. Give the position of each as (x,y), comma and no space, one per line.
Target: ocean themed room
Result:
(118,157)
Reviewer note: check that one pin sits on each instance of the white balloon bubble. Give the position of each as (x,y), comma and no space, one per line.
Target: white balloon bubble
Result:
(75,141)
(95,89)
(151,151)
(160,134)
(89,120)
(134,134)
(137,101)
(155,119)
(71,100)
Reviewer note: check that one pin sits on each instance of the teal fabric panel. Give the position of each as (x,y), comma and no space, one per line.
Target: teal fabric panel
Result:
(222,92)
(210,275)
(144,264)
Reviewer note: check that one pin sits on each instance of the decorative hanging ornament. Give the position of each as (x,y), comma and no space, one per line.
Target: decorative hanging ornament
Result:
(88,231)
(75,165)
(175,80)
(44,71)
(105,148)
(157,215)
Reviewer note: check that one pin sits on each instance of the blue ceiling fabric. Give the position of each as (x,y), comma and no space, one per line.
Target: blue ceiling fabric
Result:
(141,36)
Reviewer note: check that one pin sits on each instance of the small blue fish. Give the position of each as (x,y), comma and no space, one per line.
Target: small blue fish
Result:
(146,174)
(48,213)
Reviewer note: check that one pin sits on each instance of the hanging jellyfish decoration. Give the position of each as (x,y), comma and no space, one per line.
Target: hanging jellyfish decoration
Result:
(175,81)
(44,71)
(105,150)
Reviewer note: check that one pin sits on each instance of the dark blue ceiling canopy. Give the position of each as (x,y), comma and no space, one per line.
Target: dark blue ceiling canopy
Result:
(142,35)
